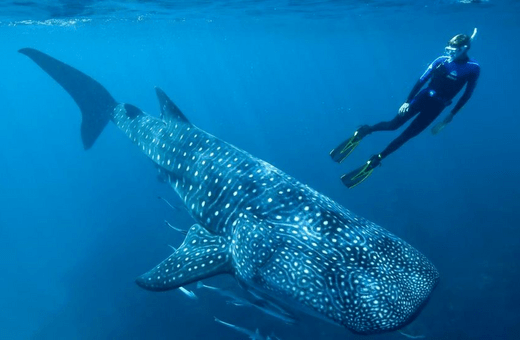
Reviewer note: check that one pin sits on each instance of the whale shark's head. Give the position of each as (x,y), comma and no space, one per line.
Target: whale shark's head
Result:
(335,266)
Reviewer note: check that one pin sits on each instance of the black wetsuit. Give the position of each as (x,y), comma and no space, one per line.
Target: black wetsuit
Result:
(447,79)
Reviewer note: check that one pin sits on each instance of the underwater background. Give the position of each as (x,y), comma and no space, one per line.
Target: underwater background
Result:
(286,81)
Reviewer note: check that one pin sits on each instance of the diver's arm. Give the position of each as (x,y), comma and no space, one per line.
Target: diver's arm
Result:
(470,87)
(416,88)
(425,77)
(441,125)
(406,105)
(418,85)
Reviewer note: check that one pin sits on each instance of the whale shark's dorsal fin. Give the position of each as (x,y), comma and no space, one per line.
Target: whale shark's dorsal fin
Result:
(200,256)
(169,111)
(95,102)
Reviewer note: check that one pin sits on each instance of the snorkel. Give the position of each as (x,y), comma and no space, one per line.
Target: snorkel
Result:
(473,35)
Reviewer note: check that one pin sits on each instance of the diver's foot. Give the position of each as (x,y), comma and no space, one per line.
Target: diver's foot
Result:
(374,161)
(362,132)
(357,176)
(343,150)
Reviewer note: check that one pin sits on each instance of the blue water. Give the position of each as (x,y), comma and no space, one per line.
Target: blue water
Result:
(286,81)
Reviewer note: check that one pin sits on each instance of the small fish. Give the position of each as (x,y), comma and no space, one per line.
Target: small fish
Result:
(182,231)
(252,335)
(222,292)
(266,307)
(412,336)
(189,293)
(169,204)
(260,304)
(173,206)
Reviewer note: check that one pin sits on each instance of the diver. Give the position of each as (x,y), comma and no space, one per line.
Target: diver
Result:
(447,75)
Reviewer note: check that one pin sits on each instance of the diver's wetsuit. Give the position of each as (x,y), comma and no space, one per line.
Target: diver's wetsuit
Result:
(447,79)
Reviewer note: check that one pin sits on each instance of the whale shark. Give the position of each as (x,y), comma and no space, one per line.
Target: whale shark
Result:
(279,238)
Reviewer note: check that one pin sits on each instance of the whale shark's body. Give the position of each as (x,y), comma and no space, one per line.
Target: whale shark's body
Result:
(279,238)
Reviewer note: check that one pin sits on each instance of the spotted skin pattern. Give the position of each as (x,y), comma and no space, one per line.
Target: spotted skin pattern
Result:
(279,236)
(275,235)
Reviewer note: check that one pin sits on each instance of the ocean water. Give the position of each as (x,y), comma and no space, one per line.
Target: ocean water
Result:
(285,81)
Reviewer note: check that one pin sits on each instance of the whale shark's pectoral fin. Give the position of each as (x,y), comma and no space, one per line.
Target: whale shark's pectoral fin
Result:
(95,102)
(169,111)
(200,256)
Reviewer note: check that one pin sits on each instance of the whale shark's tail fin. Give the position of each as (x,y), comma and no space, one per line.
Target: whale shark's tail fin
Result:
(93,99)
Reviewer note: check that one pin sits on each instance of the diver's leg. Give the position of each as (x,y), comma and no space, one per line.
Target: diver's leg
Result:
(428,111)
(425,118)
(344,149)
(393,124)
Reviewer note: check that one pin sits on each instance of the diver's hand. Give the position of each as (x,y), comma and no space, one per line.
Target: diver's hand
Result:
(449,117)
(438,128)
(404,108)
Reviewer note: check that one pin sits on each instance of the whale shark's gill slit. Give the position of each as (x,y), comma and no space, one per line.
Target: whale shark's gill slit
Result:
(200,256)
(82,88)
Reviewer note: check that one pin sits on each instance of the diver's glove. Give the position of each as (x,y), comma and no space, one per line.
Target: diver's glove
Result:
(440,126)
(404,108)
